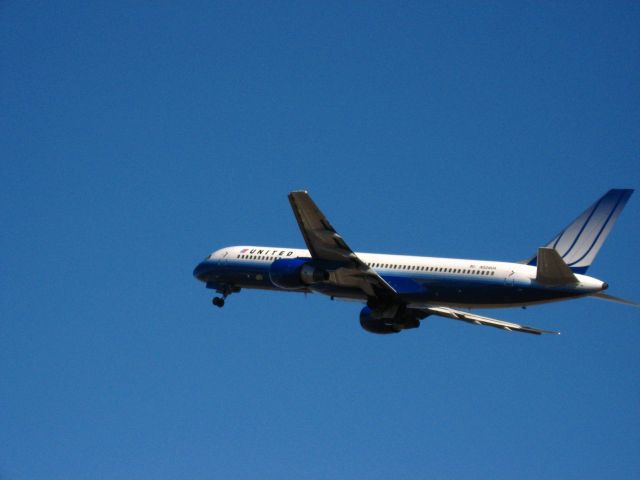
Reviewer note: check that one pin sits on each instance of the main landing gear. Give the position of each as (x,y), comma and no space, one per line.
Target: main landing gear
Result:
(225,291)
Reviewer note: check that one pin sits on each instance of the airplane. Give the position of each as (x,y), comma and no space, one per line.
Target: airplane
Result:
(399,291)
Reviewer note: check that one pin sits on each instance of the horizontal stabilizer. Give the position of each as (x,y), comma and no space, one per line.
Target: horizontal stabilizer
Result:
(611,298)
(552,270)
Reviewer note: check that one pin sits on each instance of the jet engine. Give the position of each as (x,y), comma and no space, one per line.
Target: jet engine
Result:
(372,322)
(296,273)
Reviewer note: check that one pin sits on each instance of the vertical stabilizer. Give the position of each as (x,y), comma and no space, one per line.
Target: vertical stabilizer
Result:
(579,243)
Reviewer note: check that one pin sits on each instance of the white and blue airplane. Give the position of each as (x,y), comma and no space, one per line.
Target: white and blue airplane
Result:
(399,291)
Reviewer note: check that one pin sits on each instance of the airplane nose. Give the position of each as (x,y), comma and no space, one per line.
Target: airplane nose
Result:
(200,271)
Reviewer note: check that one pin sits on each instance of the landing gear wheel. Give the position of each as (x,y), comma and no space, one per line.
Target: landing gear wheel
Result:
(218,302)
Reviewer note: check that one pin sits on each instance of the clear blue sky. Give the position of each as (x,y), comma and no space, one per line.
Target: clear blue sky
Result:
(138,137)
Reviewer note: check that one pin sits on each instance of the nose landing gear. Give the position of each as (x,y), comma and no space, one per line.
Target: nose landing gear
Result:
(225,291)
(218,302)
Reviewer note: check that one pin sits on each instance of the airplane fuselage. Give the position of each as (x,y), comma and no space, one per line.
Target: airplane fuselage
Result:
(420,281)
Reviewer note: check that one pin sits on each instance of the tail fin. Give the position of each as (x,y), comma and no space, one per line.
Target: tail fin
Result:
(579,243)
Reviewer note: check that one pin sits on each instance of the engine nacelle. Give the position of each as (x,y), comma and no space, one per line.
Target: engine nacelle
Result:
(296,273)
(404,319)
(310,274)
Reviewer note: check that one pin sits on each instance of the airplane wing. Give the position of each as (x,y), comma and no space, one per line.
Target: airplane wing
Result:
(325,244)
(480,320)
